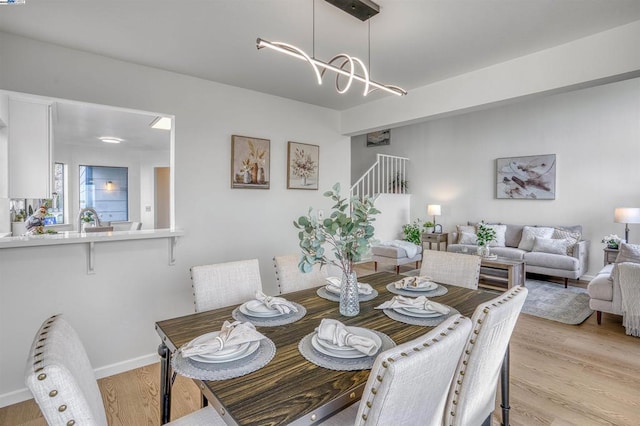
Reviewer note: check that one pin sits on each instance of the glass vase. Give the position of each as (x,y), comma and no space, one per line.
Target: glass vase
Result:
(484,251)
(349,300)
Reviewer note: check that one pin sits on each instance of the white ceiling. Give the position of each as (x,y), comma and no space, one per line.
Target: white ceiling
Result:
(413,42)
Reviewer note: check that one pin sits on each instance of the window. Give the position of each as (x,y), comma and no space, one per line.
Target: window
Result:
(106,190)
(58,196)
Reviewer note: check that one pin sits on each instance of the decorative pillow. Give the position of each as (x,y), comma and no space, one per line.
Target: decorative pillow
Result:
(468,238)
(548,245)
(465,229)
(627,253)
(564,234)
(501,231)
(529,233)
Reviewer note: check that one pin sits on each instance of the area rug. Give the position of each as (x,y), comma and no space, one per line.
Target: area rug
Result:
(551,301)
(554,302)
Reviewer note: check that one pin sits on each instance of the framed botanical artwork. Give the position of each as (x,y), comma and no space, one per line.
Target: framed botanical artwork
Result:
(532,177)
(303,164)
(382,137)
(250,162)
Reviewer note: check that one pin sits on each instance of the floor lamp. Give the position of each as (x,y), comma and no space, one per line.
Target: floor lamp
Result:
(626,215)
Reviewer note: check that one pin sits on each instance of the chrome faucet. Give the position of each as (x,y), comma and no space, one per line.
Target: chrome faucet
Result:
(82,212)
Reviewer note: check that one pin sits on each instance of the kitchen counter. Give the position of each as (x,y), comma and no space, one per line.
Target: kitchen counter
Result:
(91,238)
(73,237)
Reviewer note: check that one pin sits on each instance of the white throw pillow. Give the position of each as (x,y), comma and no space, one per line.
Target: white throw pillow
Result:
(501,232)
(529,234)
(468,238)
(548,245)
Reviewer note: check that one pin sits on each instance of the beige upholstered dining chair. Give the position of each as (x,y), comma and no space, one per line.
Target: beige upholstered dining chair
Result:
(224,284)
(62,381)
(462,270)
(473,390)
(408,384)
(291,279)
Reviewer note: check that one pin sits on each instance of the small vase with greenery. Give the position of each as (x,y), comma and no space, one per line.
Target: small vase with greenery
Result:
(412,232)
(485,234)
(349,235)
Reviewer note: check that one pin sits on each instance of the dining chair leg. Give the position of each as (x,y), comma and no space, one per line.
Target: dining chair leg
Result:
(203,400)
(165,383)
(375,266)
(504,383)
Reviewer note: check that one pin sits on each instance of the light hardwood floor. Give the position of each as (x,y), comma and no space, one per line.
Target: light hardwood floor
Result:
(560,375)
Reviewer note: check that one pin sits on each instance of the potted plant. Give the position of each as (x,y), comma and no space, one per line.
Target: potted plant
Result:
(485,234)
(612,241)
(412,232)
(88,219)
(398,185)
(349,236)
(429,227)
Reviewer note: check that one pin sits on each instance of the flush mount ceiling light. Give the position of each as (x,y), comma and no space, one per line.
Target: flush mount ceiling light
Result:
(110,139)
(162,123)
(361,9)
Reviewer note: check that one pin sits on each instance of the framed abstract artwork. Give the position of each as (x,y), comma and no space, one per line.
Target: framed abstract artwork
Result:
(532,177)
(381,137)
(250,162)
(303,165)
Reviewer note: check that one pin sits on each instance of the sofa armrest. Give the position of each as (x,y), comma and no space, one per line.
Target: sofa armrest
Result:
(452,238)
(581,252)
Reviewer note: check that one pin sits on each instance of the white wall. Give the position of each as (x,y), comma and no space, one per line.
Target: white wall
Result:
(115,309)
(595,134)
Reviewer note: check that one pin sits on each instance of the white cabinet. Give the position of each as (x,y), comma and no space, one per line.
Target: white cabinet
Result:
(30,169)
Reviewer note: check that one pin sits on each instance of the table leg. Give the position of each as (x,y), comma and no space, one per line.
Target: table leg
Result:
(504,383)
(165,383)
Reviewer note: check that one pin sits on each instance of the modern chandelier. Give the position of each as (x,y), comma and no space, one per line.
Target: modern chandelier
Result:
(342,64)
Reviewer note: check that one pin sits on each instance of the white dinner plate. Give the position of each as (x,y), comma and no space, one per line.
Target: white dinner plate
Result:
(427,286)
(418,313)
(207,358)
(330,349)
(256,308)
(233,349)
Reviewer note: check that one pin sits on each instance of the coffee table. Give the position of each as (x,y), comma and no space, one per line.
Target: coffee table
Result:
(502,271)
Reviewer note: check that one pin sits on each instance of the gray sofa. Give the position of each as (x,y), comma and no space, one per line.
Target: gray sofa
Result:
(537,260)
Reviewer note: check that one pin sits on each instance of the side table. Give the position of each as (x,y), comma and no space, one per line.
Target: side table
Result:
(610,255)
(437,239)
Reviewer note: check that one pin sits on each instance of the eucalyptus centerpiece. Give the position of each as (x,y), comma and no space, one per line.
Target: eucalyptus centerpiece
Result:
(348,232)
(485,234)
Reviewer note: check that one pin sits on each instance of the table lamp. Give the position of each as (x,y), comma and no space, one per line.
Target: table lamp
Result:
(434,210)
(626,215)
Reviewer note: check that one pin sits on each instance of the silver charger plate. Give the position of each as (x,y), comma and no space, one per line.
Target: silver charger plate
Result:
(429,322)
(326,294)
(341,364)
(222,371)
(439,291)
(271,321)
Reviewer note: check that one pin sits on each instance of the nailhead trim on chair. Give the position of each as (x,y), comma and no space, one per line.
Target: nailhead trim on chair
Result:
(380,374)
(467,353)
(39,365)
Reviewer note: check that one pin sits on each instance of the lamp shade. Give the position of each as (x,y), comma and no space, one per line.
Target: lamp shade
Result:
(433,210)
(627,215)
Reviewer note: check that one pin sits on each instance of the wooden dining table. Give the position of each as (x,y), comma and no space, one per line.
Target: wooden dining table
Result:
(290,389)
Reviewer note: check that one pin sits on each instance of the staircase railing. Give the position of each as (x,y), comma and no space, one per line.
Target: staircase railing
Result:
(387,175)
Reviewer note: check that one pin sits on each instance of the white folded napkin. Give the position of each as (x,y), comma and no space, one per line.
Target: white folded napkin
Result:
(419,302)
(281,304)
(231,334)
(412,282)
(334,284)
(335,332)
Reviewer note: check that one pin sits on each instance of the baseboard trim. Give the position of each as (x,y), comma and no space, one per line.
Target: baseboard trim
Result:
(23,394)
